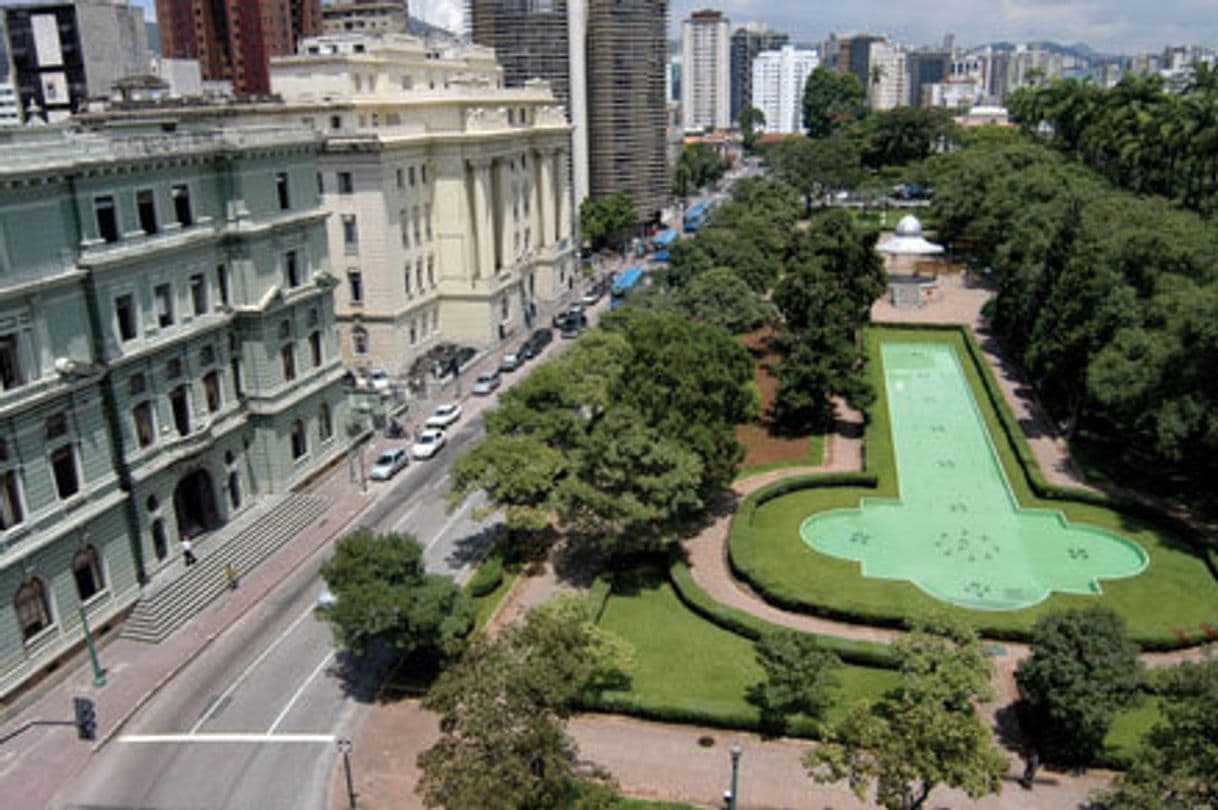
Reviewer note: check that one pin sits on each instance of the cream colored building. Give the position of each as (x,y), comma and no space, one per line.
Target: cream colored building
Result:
(449,196)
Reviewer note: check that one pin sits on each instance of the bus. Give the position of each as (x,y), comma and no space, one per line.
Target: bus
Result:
(696,216)
(623,284)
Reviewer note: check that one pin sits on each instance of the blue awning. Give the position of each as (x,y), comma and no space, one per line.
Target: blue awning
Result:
(665,238)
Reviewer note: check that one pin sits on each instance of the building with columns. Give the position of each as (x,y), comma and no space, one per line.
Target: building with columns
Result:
(167,358)
(450,195)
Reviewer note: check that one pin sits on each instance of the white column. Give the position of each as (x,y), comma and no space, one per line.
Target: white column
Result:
(503,214)
(564,195)
(536,226)
(483,220)
(546,193)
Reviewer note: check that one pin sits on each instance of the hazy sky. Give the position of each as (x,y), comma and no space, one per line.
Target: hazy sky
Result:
(1115,25)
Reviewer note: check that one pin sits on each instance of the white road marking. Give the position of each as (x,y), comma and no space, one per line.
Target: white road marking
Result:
(406,517)
(469,504)
(246,672)
(226,738)
(299,691)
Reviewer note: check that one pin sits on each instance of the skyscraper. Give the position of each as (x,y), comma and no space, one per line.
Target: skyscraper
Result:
(365,16)
(606,62)
(778,86)
(748,41)
(234,39)
(705,86)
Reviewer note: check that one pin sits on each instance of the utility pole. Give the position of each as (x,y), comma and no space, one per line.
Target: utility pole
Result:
(344,747)
(99,674)
(736,752)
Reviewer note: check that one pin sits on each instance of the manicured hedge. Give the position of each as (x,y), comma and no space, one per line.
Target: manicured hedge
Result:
(488,577)
(752,627)
(647,708)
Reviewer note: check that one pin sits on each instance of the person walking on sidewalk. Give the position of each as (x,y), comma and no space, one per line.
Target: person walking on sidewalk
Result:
(188,552)
(230,573)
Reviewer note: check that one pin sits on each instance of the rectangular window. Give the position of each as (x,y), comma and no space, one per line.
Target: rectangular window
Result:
(11,373)
(145,205)
(211,389)
(145,430)
(163,293)
(11,510)
(427,220)
(398,175)
(431,271)
(291,269)
(236,366)
(315,348)
(180,403)
(287,357)
(405,228)
(63,467)
(345,184)
(281,191)
(107,218)
(321,185)
(181,205)
(406,278)
(356,282)
(198,294)
(222,283)
(350,233)
(411,170)
(124,311)
(423,173)
(414,219)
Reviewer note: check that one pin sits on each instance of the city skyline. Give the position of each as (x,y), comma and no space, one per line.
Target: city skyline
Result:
(1121,26)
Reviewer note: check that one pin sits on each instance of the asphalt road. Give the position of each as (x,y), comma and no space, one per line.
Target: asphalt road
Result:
(254,721)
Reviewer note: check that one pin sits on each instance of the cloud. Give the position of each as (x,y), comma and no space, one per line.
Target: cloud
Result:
(449,14)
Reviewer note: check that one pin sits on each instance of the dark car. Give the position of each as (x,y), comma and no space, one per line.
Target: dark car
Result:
(465,354)
(536,343)
(559,320)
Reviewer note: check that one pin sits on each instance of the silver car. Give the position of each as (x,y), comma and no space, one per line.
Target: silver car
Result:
(486,383)
(388,463)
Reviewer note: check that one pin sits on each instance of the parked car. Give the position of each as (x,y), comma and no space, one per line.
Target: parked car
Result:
(428,443)
(536,343)
(570,329)
(443,416)
(464,355)
(591,296)
(486,383)
(511,362)
(388,463)
(378,379)
(560,319)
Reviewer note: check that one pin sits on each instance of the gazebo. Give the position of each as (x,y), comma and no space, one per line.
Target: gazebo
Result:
(905,287)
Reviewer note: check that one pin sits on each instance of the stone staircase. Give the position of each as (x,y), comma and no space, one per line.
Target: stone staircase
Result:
(168,603)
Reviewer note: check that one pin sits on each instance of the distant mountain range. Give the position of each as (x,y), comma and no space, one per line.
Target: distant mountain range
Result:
(424,29)
(1080,50)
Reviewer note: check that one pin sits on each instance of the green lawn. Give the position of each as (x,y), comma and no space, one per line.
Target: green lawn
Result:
(627,803)
(814,458)
(1129,727)
(700,672)
(1172,597)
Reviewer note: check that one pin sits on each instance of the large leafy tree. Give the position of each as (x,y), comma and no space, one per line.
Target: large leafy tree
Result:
(750,119)
(502,707)
(1082,670)
(799,677)
(607,221)
(698,166)
(831,101)
(383,595)
(817,167)
(721,297)
(627,433)
(923,733)
(1177,765)
(907,134)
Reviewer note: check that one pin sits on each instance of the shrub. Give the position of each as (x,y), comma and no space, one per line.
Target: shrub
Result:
(487,578)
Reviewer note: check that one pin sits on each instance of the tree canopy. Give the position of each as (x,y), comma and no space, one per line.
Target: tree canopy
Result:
(608,220)
(799,675)
(831,101)
(1176,767)
(1082,670)
(625,436)
(698,166)
(383,595)
(501,707)
(923,733)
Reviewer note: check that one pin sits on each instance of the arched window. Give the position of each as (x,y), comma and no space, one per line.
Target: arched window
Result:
(86,568)
(300,444)
(325,425)
(33,610)
(359,339)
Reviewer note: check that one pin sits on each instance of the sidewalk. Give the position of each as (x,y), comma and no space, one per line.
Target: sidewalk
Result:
(39,749)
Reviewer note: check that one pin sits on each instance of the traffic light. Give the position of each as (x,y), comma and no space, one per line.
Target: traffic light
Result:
(86,718)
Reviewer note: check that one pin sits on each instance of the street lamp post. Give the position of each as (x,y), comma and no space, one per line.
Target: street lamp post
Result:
(344,747)
(99,674)
(736,752)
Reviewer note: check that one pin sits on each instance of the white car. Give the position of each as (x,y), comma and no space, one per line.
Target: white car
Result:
(444,416)
(486,383)
(388,463)
(378,380)
(428,443)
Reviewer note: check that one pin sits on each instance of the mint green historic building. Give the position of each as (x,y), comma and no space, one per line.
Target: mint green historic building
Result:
(168,358)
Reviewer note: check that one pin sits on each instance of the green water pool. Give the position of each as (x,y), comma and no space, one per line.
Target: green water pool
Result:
(956,530)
